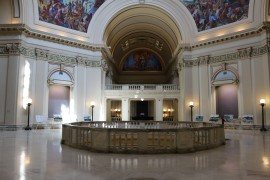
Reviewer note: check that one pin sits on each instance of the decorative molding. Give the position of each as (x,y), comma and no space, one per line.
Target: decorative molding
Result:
(28,52)
(239,35)
(104,65)
(141,1)
(3,50)
(204,60)
(14,48)
(27,31)
(46,55)
(244,53)
(57,58)
(139,41)
(81,60)
(41,54)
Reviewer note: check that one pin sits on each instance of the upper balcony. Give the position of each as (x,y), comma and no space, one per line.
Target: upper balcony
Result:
(148,90)
(141,87)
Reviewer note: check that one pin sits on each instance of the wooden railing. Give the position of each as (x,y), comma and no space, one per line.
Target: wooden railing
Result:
(143,137)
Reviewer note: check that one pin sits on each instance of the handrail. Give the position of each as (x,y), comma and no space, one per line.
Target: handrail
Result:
(143,136)
(135,87)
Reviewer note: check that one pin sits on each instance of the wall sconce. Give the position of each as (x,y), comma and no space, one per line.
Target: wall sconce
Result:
(29,103)
(262,103)
(92,106)
(191,105)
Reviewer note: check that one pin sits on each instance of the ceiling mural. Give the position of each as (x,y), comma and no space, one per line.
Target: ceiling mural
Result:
(142,60)
(209,14)
(72,14)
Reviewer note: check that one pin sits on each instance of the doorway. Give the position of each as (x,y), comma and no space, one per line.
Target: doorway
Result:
(227,100)
(59,101)
(142,110)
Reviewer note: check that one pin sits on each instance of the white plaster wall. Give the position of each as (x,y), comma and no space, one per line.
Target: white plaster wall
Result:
(261,87)
(158,116)
(94,92)
(40,87)
(188,93)
(204,94)
(3,81)
(80,93)
(12,87)
(125,109)
(246,92)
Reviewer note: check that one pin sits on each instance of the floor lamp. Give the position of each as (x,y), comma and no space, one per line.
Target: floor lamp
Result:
(92,106)
(191,105)
(29,103)
(262,102)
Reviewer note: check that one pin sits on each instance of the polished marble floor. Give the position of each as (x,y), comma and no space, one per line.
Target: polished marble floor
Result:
(38,154)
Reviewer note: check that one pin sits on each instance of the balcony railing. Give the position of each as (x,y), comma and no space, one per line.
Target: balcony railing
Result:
(134,87)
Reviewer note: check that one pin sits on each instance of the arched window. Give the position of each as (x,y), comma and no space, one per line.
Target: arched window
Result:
(225,77)
(60,77)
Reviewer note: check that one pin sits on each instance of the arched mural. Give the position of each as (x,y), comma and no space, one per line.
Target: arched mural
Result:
(209,14)
(72,14)
(142,60)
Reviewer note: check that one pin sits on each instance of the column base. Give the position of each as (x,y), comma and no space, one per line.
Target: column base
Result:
(27,128)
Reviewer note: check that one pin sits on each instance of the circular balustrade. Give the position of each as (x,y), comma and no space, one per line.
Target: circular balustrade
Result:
(143,136)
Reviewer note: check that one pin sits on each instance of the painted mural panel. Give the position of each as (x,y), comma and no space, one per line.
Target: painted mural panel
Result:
(209,14)
(72,14)
(142,60)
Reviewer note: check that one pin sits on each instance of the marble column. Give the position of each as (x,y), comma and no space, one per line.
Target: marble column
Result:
(125,109)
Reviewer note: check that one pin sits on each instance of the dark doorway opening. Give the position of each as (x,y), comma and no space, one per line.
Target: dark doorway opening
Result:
(227,100)
(142,110)
(59,100)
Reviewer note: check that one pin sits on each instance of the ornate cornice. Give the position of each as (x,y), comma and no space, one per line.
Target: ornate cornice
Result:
(237,36)
(27,31)
(46,55)
(240,54)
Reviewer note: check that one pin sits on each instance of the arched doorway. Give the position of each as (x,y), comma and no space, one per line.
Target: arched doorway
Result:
(225,81)
(60,103)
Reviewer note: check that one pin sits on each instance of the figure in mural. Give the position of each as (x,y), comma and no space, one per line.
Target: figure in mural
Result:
(142,60)
(72,14)
(209,14)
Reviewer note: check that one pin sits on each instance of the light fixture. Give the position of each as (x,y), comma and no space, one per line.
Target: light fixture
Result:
(92,106)
(142,99)
(191,105)
(262,102)
(29,103)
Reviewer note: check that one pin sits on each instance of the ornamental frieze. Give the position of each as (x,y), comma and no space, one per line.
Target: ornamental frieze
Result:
(45,55)
(28,52)
(3,50)
(14,48)
(243,53)
(41,54)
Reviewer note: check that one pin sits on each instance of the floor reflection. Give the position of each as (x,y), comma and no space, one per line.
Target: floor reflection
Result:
(39,155)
